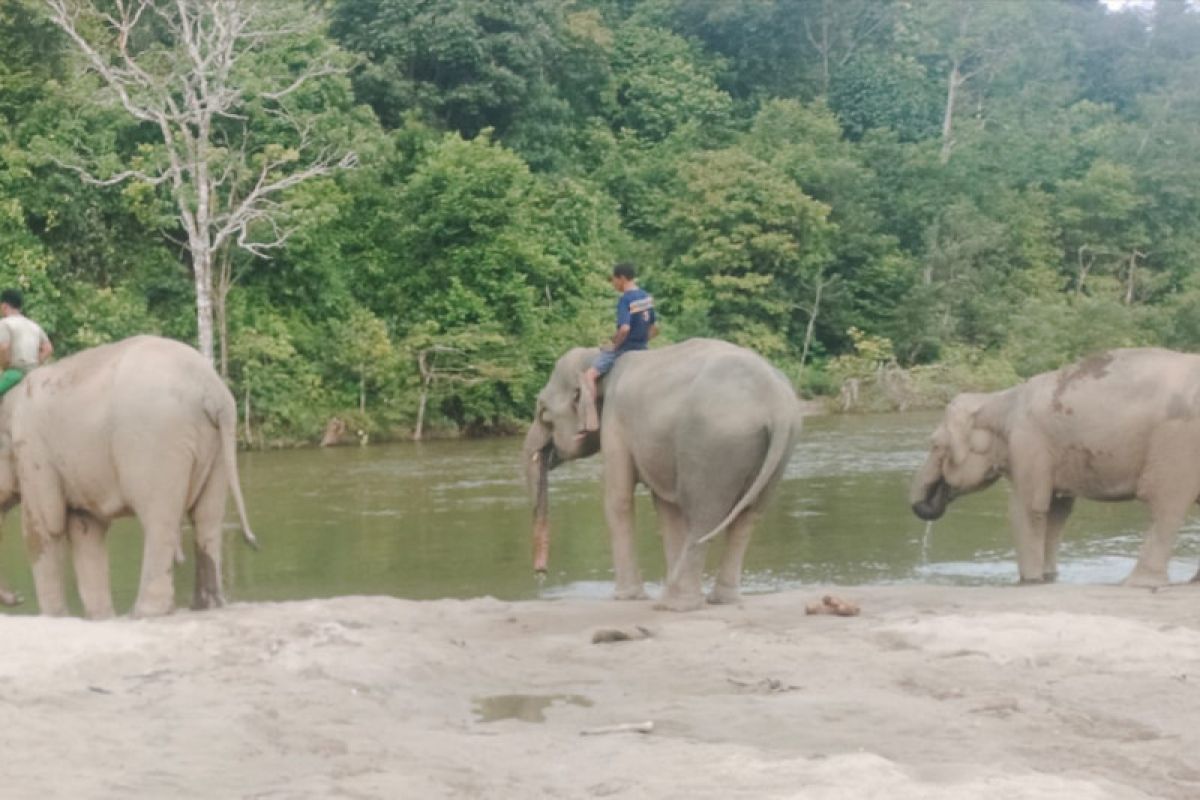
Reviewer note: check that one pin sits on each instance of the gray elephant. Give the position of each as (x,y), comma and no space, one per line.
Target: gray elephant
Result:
(706,426)
(144,426)
(1117,426)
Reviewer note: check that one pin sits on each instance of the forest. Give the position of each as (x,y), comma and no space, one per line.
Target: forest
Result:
(400,212)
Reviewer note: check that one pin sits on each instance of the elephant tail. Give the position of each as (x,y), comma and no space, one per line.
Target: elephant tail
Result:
(780,432)
(226,419)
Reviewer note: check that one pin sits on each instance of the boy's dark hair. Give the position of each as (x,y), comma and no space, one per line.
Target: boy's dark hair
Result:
(624,270)
(13,298)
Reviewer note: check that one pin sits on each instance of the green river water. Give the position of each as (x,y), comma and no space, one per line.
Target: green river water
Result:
(451,519)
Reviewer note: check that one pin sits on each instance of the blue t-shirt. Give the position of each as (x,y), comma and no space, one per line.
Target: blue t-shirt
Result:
(635,309)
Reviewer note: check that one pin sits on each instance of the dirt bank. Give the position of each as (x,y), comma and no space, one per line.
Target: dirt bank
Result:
(932,693)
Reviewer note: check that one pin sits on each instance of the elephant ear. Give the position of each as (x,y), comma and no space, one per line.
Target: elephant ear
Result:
(960,427)
(981,440)
(585,405)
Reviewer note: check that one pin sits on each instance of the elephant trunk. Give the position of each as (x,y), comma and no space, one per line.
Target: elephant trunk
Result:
(538,457)
(930,493)
(7,596)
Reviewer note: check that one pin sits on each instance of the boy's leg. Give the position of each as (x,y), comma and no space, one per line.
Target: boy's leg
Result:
(588,386)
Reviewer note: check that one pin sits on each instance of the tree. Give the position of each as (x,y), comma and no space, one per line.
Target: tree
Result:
(467,64)
(745,246)
(1102,227)
(463,359)
(364,349)
(187,71)
(969,39)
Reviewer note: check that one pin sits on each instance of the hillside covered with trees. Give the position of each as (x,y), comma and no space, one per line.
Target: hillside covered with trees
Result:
(394,205)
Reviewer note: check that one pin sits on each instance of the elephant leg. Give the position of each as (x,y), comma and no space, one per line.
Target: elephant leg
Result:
(1056,520)
(207,516)
(685,590)
(46,556)
(620,479)
(727,589)
(1166,517)
(1169,487)
(1029,507)
(89,554)
(1029,537)
(156,592)
(672,529)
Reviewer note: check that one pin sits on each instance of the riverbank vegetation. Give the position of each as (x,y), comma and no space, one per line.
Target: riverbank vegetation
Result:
(891,200)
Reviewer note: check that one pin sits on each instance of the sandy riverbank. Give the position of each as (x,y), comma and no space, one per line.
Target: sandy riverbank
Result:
(933,693)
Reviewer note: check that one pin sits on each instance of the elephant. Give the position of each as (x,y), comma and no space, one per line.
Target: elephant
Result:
(1120,425)
(708,427)
(144,426)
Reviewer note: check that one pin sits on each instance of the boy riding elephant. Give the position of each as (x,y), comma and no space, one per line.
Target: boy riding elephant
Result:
(636,326)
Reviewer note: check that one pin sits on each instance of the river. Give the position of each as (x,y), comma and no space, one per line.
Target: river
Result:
(451,519)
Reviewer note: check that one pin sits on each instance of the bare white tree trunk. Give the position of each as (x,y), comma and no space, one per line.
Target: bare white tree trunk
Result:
(953,82)
(810,328)
(202,271)
(426,372)
(1131,278)
(418,430)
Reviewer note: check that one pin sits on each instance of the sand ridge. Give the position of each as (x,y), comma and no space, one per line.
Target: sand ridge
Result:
(932,692)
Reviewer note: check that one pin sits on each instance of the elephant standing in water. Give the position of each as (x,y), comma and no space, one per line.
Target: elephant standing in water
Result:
(144,426)
(707,426)
(1116,426)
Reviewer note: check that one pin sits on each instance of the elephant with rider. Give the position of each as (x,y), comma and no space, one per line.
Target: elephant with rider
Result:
(706,426)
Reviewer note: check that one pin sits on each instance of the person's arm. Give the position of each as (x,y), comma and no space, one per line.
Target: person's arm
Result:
(5,347)
(653,330)
(45,349)
(623,323)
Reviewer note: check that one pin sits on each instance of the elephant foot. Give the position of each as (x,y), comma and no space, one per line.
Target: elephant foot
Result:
(145,612)
(676,603)
(1145,579)
(1031,581)
(1196,577)
(630,593)
(152,607)
(208,598)
(1050,577)
(724,595)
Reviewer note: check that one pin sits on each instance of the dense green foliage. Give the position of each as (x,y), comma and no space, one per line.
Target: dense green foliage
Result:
(930,193)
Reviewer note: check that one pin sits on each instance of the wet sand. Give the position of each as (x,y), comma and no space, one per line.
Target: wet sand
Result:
(935,693)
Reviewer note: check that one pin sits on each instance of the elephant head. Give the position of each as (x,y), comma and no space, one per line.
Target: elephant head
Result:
(555,435)
(964,456)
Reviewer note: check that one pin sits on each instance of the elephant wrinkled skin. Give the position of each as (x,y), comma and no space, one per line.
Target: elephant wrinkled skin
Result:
(707,426)
(144,426)
(1121,425)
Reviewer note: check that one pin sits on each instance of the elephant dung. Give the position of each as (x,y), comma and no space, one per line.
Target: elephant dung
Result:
(833,605)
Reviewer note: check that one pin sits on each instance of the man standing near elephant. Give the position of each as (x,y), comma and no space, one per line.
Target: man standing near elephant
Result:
(636,326)
(23,343)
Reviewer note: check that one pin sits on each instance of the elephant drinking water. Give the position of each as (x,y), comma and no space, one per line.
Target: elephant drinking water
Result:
(707,426)
(144,426)
(1122,425)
